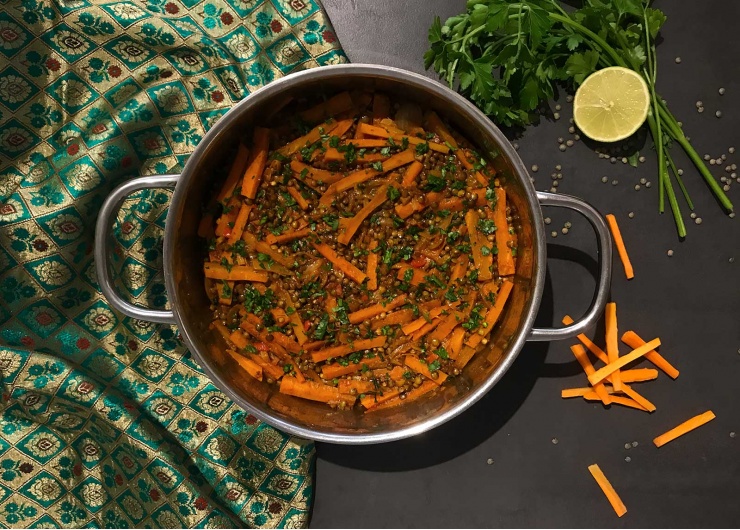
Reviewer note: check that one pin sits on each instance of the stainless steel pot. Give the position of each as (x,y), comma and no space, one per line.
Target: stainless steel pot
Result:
(184,254)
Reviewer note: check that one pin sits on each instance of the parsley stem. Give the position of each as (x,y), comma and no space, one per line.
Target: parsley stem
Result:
(672,165)
(593,36)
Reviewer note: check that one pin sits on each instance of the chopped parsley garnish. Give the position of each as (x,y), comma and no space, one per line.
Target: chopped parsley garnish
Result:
(334,141)
(442,352)
(422,148)
(475,319)
(321,327)
(434,183)
(433,367)
(487,226)
(485,251)
(377,166)
(332,220)
(393,194)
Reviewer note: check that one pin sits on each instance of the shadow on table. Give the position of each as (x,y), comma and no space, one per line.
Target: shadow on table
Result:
(483,419)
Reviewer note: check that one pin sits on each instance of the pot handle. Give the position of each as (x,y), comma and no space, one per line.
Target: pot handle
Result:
(103,227)
(604,242)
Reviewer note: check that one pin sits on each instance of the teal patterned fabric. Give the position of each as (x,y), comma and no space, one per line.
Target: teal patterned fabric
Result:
(106,421)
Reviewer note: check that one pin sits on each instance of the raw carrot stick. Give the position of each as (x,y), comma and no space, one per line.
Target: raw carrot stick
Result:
(619,243)
(287,237)
(580,392)
(433,123)
(328,109)
(632,339)
(585,363)
(303,203)
(238,167)
(593,348)
(615,400)
(411,395)
(340,263)
(612,346)
(493,314)
(638,375)
(235,273)
(409,177)
(264,248)
(608,489)
(372,311)
(643,401)
(381,107)
(253,175)
(310,390)
(346,349)
(372,266)
(372,130)
(313,136)
(239,224)
(251,367)
(505,257)
(685,427)
(610,368)
(330,371)
(372,400)
(352,224)
(456,342)
(402,316)
(482,263)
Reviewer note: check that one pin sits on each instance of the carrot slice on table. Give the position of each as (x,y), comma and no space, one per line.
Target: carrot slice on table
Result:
(610,368)
(619,243)
(608,489)
(580,392)
(366,313)
(588,343)
(217,271)
(612,345)
(352,224)
(585,363)
(615,400)
(633,340)
(493,315)
(687,426)
(505,256)
(328,109)
(638,375)
(643,401)
(237,171)
(346,349)
(340,263)
(253,175)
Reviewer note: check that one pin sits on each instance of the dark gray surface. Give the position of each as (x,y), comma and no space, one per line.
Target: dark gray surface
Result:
(692,301)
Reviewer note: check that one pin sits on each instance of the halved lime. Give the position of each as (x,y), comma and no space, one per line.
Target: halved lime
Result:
(611,104)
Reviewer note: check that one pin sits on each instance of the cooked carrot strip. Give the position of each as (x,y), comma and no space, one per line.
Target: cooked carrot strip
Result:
(238,167)
(465,159)
(346,349)
(225,223)
(464,357)
(251,367)
(593,348)
(226,293)
(411,395)
(302,203)
(381,107)
(434,124)
(610,368)
(340,263)
(372,311)
(314,174)
(279,314)
(402,316)
(585,363)
(417,278)
(286,237)
(409,177)
(352,224)
(372,400)
(313,136)
(505,257)
(687,426)
(459,269)
(608,489)
(223,330)
(434,312)
(638,375)
(633,340)
(372,130)
(643,401)
(333,154)
(366,143)
(426,328)
(360,387)
(328,109)
(612,346)
(456,342)
(372,266)
(619,243)
(253,175)
(446,326)
(264,248)
(239,339)
(330,371)
(405,211)
(453,204)
(272,370)
(240,223)
(314,345)
(482,263)
(278,338)
(311,390)
(237,272)
(493,315)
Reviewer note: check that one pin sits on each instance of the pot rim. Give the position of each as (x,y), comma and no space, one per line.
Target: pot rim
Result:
(461,105)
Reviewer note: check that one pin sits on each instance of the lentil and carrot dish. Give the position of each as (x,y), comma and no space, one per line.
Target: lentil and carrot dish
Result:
(363,255)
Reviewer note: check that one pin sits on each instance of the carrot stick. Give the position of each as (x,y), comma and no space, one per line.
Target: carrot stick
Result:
(633,340)
(328,109)
(464,357)
(580,392)
(372,311)
(493,314)
(280,341)
(608,489)
(335,155)
(315,174)
(372,266)
(366,143)
(426,328)
(456,342)
(434,124)
(593,348)
(287,237)
(251,367)
(418,274)
(685,427)
(253,175)
(505,257)
(226,293)
(482,263)
(381,107)
(464,156)
(303,203)
(459,269)
(310,390)
(360,387)
(619,243)
(239,339)
(238,167)
(236,273)
(352,224)
(264,248)
(638,375)
(372,130)
(585,363)
(313,136)
(330,371)
(446,327)
(346,349)
(272,370)
(612,346)
(340,263)
(453,204)
(411,395)
(402,316)
(643,401)
(405,211)
(409,178)
(239,224)
(372,400)
(610,368)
